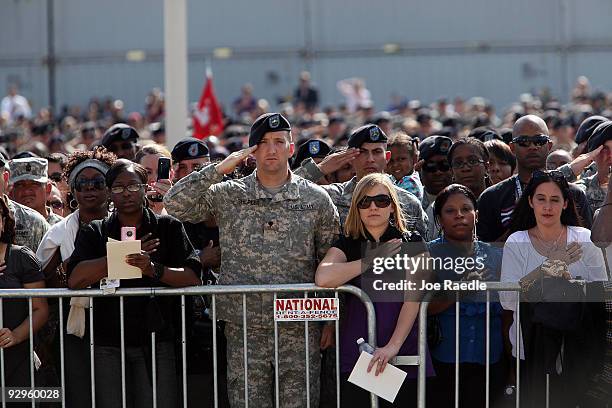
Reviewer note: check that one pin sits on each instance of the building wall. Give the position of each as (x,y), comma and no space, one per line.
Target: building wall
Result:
(493,48)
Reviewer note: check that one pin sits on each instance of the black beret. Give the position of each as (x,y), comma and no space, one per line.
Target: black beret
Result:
(484,134)
(268,122)
(587,127)
(118,133)
(434,145)
(369,133)
(601,135)
(506,135)
(310,148)
(189,148)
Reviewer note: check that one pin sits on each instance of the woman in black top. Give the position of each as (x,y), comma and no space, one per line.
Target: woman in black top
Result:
(375,217)
(167,258)
(19,268)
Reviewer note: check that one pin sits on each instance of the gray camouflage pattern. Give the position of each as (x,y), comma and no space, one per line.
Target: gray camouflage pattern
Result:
(342,193)
(595,194)
(291,366)
(265,238)
(30,226)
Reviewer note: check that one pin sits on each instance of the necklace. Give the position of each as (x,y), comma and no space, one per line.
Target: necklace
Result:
(553,246)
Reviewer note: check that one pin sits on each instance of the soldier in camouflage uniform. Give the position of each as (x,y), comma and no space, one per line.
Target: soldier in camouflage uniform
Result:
(274,226)
(30,226)
(595,186)
(30,185)
(368,154)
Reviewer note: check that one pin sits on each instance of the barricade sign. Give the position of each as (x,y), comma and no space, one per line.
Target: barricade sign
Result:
(306,309)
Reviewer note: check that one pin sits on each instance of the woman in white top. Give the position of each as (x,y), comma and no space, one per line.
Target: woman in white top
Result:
(546,239)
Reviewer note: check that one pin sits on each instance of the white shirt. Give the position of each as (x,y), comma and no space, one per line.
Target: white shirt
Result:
(15,106)
(520,258)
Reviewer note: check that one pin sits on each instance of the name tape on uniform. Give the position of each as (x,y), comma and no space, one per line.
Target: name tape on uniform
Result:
(306,309)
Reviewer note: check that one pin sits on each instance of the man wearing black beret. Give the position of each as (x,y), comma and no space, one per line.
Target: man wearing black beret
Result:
(315,148)
(121,140)
(367,152)
(595,186)
(274,226)
(189,154)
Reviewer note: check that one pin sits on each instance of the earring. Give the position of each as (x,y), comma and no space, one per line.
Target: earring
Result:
(73,204)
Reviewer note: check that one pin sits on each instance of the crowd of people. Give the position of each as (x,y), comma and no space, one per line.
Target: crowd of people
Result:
(295,196)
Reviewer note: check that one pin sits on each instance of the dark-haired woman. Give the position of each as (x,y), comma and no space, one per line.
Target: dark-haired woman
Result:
(455,212)
(19,268)
(546,241)
(469,160)
(166,259)
(85,173)
(502,161)
(373,206)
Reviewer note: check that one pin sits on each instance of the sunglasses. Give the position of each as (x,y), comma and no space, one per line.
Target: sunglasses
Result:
(555,175)
(58,205)
(381,201)
(470,163)
(527,141)
(432,167)
(123,146)
(132,188)
(97,183)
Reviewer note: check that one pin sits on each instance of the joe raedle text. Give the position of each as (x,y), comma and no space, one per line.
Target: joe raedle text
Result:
(447,285)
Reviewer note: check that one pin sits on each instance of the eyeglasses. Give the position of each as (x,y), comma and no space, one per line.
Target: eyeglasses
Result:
(132,188)
(527,141)
(381,201)
(57,177)
(432,167)
(58,205)
(97,183)
(123,146)
(470,163)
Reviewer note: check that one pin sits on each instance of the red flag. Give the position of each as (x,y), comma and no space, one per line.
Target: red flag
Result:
(207,118)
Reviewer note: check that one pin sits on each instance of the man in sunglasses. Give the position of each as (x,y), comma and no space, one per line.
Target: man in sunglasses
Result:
(29,186)
(531,146)
(274,226)
(367,152)
(30,226)
(121,139)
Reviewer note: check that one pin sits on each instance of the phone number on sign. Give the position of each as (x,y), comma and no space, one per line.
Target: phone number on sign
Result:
(50,394)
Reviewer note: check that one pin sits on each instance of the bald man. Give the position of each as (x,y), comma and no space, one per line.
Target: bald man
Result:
(531,144)
(558,158)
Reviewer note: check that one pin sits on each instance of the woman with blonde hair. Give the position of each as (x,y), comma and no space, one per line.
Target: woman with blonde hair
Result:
(374,218)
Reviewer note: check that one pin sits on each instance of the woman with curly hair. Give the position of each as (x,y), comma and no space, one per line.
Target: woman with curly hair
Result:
(85,172)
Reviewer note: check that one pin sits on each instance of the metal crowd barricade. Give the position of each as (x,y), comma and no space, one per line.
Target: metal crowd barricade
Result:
(213,292)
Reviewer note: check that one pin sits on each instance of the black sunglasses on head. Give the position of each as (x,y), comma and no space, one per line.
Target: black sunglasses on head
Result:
(432,167)
(553,174)
(526,141)
(380,201)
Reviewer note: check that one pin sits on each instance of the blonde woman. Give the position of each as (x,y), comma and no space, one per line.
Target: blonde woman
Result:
(374,217)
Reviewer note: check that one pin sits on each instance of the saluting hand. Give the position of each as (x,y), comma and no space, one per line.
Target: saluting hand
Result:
(582,161)
(232,161)
(335,161)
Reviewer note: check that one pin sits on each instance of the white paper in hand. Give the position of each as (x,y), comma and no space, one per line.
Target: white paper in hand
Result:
(116,251)
(386,385)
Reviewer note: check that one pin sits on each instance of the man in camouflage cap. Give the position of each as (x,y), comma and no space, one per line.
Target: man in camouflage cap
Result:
(367,153)
(30,186)
(274,226)
(30,226)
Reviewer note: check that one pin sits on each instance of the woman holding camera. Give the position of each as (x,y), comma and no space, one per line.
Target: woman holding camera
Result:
(374,219)
(166,259)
